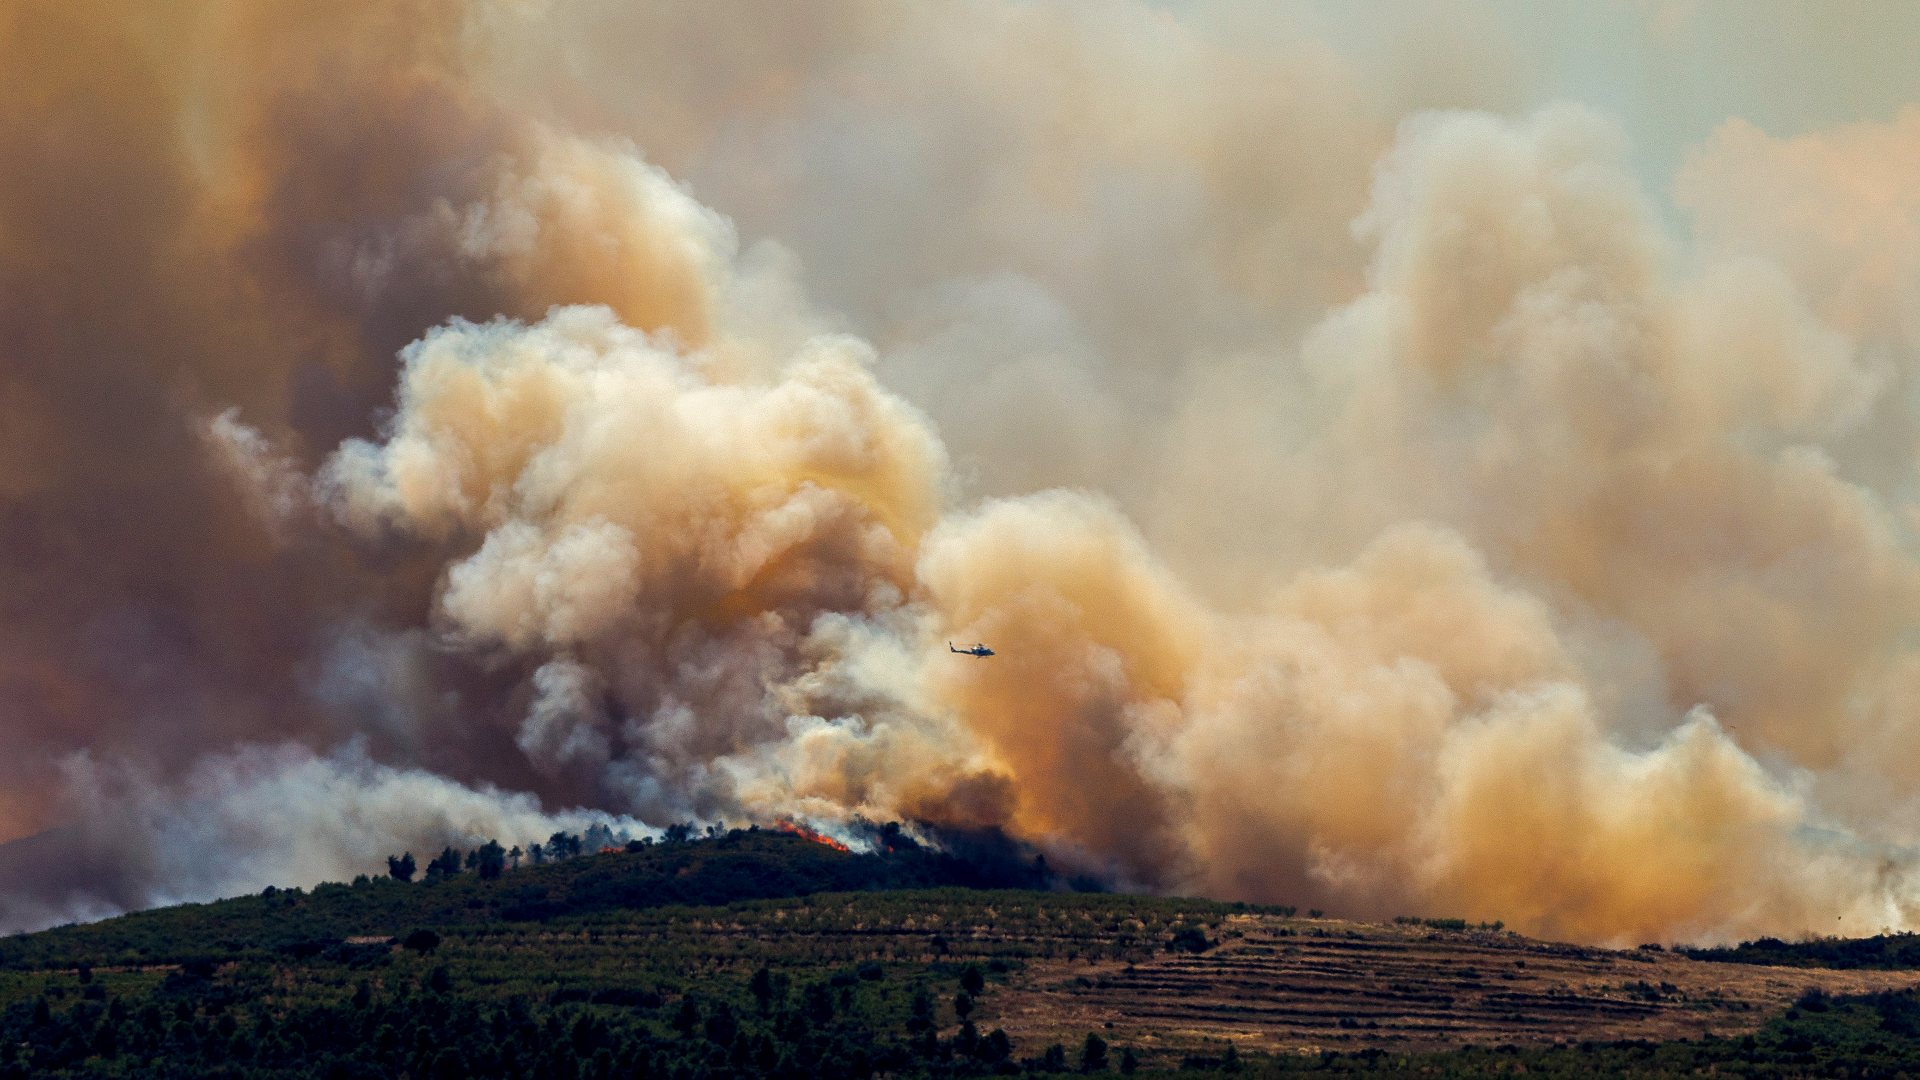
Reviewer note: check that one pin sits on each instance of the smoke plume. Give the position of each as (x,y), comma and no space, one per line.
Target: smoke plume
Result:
(465,418)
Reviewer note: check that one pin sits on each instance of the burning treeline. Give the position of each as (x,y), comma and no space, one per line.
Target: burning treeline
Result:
(1370,507)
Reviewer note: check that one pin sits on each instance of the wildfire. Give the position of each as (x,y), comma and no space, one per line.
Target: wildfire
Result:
(796,829)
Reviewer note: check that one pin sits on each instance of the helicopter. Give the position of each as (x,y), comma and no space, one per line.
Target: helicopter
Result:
(976,649)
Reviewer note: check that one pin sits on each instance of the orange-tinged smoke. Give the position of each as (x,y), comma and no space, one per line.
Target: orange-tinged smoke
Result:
(1385,519)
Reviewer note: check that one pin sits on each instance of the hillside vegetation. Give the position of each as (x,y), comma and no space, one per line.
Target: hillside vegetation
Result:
(759,954)
(1882,952)
(739,865)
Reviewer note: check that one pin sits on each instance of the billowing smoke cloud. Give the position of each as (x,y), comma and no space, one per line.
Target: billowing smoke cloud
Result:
(1372,503)
(256,815)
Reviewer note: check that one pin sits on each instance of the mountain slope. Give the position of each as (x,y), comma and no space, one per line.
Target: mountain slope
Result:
(758,954)
(739,865)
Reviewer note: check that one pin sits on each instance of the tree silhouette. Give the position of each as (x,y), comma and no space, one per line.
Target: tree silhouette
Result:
(721,1026)
(489,859)
(1093,1054)
(761,987)
(444,865)
(996,1047)
(920,1016)
(972,981)
(688,1018)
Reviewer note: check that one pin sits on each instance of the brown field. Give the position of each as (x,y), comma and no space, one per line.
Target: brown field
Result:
(1300,985)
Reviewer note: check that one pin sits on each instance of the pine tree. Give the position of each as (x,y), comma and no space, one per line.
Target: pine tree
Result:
(688,1018)
(444,865)
(762,987)
(1093,1053)
(489,859)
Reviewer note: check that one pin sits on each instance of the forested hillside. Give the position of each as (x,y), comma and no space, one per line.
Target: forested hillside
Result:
(721,869)
(756,953)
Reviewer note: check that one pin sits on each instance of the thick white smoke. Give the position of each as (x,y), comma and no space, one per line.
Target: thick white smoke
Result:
(1373,505)
(736,584)
(262,816)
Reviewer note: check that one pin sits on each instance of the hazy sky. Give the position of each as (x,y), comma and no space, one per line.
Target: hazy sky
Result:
(1674,72)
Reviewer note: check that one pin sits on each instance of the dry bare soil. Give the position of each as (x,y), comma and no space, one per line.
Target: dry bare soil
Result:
(1286,985)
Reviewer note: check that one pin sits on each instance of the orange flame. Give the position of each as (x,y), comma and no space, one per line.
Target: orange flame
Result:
(796,829)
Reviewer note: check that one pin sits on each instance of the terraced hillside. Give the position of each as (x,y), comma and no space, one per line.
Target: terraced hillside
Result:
(1285,985)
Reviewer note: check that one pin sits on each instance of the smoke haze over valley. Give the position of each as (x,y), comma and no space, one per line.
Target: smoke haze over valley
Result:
(1407,467)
